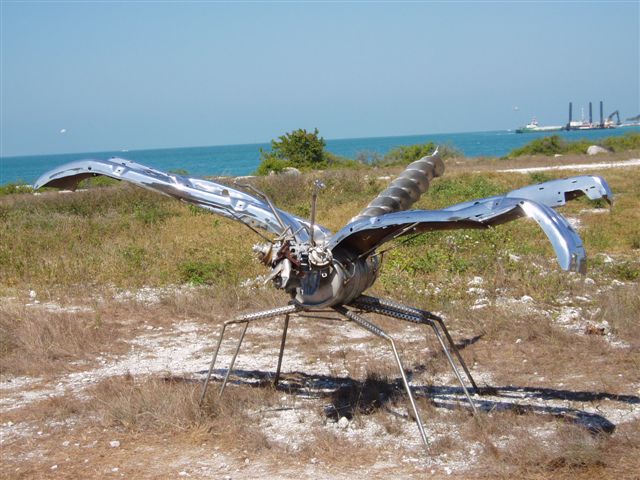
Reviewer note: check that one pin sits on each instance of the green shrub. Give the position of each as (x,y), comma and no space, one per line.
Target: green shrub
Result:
(150,213)
(540,177)
(625,271)
(271,164)
(201,272)
(98,181)
(134,256)
(542,146)
(628,141)
(299,149)
(447,191)
(556,145)
(302,150)
(16,187)
(405,154)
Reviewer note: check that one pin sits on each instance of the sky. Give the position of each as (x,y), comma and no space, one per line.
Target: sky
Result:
(95,76)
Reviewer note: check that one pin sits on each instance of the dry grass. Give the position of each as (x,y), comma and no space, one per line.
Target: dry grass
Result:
(621,309)
(528,161)
(567,452)
(70,248)
(172,405)
(37,342)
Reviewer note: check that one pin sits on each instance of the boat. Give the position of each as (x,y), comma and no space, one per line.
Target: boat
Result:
(533,126)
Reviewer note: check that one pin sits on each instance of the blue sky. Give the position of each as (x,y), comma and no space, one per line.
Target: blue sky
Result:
(163,74)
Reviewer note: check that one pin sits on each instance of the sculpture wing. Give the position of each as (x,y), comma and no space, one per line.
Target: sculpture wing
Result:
(212,196)
(364,236)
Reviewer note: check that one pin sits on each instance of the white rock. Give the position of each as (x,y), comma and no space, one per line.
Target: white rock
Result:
(519,340)
(606,258)
(291,171)
(595,150)
(575,223)
(479,306)
(32,294)
(114,443)
(66,443)
(115,469)
(526,299)
(343,423)
(183,474)
(54,467)
(476,290)
(476,281)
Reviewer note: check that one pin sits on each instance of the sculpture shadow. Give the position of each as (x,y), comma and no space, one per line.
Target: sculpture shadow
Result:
(466,342)
(348,397)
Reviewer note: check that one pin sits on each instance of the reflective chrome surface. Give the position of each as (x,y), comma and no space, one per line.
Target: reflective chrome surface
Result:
(534,201)
(322,270)
(217,198)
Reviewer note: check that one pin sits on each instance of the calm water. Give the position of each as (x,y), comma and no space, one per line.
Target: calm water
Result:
(244,159)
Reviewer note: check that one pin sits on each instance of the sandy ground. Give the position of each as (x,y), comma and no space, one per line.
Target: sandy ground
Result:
(634,162)
(183,350)
(79,447)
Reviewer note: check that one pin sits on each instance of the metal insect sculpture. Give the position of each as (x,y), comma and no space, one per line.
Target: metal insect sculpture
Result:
(324,271)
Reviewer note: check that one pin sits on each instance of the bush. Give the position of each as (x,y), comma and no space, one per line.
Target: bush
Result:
(405,154)
(17,187)
(299,149)
(555,144)
(201,272)
(548,146)
(628,141)
(302,150)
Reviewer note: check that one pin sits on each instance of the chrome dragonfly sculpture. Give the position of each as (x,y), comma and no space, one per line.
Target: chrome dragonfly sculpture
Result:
(324,271)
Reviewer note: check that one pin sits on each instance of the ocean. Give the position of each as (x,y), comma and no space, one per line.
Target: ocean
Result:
(244,159)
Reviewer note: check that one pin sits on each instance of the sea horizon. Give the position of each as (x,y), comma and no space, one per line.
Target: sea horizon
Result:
(244,144)
(243,159)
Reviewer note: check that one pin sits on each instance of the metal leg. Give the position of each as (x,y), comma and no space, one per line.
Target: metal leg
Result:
(455,350)
(366,300)
(274,312)
(213,362)
(414,315)
(233,360)
(453,367)
(282,342)
(360,321)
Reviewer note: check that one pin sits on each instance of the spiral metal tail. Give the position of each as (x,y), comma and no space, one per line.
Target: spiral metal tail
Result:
(406,189)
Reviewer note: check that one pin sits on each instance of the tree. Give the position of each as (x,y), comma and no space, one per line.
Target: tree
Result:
(299,149)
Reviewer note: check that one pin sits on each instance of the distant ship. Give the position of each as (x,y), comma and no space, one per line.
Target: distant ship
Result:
(534,127)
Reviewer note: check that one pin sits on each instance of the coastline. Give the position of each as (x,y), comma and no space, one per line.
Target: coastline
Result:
(238,160)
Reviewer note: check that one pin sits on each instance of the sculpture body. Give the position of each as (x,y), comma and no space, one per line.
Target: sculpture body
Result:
(323,270)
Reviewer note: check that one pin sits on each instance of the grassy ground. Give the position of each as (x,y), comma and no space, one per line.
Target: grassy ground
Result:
(111,299)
